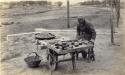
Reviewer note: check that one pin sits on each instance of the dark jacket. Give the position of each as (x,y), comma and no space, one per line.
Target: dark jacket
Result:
(86,31)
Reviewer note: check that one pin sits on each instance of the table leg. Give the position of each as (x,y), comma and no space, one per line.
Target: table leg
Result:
(73,61)
(56,62)
(52,62)
(77,55)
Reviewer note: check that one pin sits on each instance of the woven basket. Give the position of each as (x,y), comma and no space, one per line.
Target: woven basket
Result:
(33,61)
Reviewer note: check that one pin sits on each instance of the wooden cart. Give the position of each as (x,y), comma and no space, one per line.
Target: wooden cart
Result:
(54,53)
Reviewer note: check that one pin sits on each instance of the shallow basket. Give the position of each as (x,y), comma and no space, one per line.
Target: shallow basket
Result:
(33,61)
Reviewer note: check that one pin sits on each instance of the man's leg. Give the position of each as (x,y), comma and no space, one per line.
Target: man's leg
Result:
(84,54)
(92,55)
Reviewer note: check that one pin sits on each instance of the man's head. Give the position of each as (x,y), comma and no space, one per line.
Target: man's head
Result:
(81,21)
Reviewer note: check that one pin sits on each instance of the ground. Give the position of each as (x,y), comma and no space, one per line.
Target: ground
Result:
(109,61)
(109,58)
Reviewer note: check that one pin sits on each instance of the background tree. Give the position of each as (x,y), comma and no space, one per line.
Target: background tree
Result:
(115,7)
(59,3)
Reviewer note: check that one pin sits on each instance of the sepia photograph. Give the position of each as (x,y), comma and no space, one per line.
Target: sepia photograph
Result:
(62,37)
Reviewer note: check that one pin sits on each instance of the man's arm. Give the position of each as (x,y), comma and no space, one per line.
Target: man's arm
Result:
(78,30)
(93,32)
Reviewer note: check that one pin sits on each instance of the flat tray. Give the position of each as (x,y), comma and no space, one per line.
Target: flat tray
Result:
(70,50)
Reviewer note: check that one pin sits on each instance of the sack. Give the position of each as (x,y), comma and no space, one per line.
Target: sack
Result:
(33,61)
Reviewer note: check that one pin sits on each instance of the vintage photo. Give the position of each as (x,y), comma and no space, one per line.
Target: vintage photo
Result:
(62,37)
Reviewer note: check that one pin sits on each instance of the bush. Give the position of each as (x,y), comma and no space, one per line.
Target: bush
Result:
(7,23)
(59,3)
(90,3)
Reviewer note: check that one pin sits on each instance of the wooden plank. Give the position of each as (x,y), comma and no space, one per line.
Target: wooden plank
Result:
(63,60)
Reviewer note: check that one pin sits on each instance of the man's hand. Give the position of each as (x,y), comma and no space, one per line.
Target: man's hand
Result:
(92,41)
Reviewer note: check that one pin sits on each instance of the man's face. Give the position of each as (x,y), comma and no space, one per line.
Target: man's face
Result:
(81,21)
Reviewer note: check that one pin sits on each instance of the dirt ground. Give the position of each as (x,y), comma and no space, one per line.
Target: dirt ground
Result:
(54,19)
(109,58)
(109,61)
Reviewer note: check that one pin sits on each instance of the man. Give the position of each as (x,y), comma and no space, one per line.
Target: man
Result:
(86,31)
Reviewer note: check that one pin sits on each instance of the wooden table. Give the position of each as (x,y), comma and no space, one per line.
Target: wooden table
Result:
(54,53)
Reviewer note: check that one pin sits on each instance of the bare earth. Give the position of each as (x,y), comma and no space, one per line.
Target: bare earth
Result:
(109,58)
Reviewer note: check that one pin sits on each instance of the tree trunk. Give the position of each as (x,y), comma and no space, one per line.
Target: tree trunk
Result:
(112,31)
(111,23)
(68,21)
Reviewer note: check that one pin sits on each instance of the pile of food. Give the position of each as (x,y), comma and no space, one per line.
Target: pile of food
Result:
(64,45)
(44,36)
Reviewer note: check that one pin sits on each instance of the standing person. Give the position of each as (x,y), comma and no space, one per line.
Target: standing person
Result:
(86,31)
